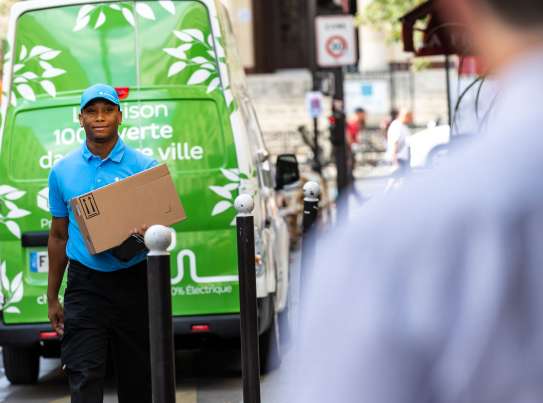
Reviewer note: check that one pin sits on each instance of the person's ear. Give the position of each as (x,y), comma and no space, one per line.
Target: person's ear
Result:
(80,120)
(120,118)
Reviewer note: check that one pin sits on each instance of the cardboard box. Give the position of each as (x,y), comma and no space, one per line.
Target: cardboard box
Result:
(106,216)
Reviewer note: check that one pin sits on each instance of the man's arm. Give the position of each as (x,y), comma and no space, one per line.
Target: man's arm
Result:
(58,236)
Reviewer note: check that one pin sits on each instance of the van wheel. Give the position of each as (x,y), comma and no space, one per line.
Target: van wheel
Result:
(22,364)
(269,348)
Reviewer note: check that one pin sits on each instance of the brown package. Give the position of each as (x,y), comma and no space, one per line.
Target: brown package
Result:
(107,216)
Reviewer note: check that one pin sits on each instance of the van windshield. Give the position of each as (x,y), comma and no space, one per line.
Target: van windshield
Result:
(185,133)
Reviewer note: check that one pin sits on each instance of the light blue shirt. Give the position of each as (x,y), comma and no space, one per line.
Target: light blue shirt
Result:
(434,293)
(81,172)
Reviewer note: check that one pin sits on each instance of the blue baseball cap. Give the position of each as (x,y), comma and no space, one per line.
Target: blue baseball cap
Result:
(103,91)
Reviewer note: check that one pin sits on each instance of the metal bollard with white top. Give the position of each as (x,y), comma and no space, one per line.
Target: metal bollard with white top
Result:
(312,191)
(157,239)
(247,299)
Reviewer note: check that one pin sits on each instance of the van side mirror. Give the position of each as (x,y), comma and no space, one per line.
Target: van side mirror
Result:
(287,171)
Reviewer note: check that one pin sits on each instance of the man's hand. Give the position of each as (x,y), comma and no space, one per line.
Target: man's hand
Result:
(140,231)
(56,316)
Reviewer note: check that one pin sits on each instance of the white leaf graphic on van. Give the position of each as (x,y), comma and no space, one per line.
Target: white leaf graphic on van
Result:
(83,17)
(228,97)
(30,75)
(38,50)
(3,276)
(230,175)
(18,213)
(199,60)
(12,292)
(221,207)
(9,211)
(82,23)
(211,67)
(195,33)
(145,11)
(5,189)
(29,84)
(199,77)
(178,52)
(100,21)
(26,92)
(129,16)
(213,85)
(15,194)
(49,87)
(84,11)
(23,53)
(176,68)
(240,182)
(16,283)
(168,6)
(50,55)
(222,191)
(13,227)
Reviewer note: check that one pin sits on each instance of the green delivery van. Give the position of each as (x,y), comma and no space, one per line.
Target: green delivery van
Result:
(184,102)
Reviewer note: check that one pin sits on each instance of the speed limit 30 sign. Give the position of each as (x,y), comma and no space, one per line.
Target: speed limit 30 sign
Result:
(336,41)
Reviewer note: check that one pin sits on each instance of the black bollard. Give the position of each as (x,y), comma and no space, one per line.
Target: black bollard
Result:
(311,205)
(311,210)
(158,239)
(247,300)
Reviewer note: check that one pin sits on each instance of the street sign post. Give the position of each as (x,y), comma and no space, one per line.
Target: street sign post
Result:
(336,41)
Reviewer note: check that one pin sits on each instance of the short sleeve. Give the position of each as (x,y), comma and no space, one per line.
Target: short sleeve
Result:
(151,163)
(57,206)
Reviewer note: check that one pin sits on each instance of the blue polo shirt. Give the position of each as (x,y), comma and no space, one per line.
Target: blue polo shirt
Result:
(80,172)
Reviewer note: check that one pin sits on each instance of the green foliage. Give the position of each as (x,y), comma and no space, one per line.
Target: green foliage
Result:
(384,15)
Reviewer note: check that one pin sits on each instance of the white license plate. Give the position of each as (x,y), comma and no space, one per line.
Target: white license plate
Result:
(39,262)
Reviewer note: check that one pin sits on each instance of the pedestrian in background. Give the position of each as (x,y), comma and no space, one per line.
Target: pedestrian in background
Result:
(105,302)
(398,153)
(433,293)
(356,126)
(355,129)
(385,124)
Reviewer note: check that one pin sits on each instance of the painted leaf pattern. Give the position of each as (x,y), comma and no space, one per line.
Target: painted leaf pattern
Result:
(8,196)
(221,207)
(12,292)
(29,84)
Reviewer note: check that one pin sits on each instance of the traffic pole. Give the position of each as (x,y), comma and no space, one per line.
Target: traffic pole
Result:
(338,133)
(311,209)
(250,366)
(157,240)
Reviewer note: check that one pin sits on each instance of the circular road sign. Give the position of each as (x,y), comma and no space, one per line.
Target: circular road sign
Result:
(336,46)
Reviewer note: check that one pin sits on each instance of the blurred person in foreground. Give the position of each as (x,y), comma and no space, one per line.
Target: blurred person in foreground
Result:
(433,294)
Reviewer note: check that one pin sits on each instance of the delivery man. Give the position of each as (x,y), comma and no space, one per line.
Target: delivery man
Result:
(105,303)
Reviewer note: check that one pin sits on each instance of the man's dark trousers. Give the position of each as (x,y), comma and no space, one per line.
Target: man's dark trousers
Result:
(107,312)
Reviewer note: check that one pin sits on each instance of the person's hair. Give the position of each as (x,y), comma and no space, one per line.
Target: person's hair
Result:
(360,110)
(528,13)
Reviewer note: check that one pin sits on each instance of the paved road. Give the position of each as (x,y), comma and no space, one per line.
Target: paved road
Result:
(202,377)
